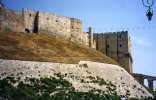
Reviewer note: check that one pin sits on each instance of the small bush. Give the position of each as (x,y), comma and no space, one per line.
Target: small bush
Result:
(48,89)
(84,65)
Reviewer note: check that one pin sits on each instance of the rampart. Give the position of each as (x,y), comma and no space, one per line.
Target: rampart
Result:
(114,45)
(45,23)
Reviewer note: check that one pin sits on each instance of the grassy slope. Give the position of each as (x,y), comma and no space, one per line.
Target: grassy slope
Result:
(41,47)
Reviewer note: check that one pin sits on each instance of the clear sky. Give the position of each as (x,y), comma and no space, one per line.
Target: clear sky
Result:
(115,14)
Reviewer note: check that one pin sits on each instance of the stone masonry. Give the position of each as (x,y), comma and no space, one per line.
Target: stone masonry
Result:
(11,20)
(117,46)
(43,22)
(114,45)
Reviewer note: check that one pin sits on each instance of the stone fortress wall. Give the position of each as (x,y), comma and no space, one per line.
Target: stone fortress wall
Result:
(114,45)
(30,21)
(43,22)
(11,20)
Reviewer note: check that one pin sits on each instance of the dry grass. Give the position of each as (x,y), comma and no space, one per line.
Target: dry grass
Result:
(41,47)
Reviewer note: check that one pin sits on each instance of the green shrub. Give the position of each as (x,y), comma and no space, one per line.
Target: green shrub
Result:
(50,89)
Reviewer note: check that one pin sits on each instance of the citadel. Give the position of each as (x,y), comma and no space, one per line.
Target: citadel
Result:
(116,45)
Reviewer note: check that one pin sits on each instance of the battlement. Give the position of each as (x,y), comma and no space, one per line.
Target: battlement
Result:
(113,33)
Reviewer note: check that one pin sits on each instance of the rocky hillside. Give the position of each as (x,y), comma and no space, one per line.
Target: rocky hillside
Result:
(87,79)
(79,72)
(42,47)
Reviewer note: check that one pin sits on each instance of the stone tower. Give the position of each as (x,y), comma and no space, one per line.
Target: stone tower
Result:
(117,46)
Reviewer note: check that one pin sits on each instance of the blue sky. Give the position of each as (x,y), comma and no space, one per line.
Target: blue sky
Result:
(115,14)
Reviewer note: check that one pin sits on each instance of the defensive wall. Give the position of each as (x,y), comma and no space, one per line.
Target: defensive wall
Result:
(117,46)
(114,45)
(43,22)
(11,20)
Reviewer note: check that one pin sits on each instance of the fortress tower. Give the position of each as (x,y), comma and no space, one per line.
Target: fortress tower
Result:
(117,46)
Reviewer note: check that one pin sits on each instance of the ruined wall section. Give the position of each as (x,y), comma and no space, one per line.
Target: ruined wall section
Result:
(30,21)
(11,20)
(94,43)
(86,38)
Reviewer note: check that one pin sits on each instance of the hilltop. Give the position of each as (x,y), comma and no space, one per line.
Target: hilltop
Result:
(42,47)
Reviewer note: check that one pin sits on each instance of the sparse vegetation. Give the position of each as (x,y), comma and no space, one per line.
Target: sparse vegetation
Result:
(52,89)
(84,65)
(47,89)
(42,47)
(111,88)
(39,47)
(97,80)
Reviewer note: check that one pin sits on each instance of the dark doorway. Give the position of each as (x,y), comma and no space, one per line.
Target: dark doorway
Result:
(27,30)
